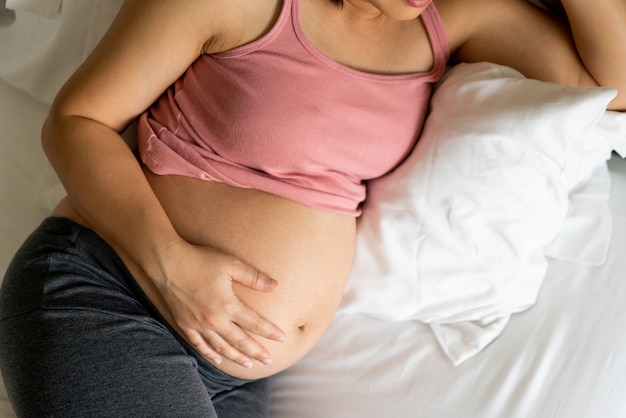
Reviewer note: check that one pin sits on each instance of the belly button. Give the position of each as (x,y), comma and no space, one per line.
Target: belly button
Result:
(302,328)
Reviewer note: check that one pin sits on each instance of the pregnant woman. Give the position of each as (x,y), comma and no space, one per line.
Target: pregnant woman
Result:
(174,283)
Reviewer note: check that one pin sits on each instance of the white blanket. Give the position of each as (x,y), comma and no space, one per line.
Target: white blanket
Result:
(457,236)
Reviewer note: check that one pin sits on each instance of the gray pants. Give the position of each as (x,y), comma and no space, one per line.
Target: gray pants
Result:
(78,338)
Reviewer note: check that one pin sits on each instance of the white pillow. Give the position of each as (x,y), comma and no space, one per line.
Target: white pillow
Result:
(455,234)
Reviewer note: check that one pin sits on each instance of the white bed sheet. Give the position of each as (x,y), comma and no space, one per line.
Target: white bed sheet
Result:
(565,357)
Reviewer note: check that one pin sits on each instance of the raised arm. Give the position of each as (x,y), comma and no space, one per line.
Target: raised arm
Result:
(599,31)
(150,44)
(588,50)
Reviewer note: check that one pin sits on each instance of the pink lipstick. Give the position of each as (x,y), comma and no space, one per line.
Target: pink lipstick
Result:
(418,3)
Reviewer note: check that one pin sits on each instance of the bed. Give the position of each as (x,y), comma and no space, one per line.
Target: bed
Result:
(488,280)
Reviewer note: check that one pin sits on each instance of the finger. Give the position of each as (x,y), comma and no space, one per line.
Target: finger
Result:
(253,278)
(251,321)
(201,345)
(235,346)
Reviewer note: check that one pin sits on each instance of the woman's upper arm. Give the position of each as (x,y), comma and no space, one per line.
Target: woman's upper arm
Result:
(516,34)
(148,46)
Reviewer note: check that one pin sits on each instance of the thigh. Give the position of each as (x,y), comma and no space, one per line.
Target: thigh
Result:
(250,400)
(79,338)
(83,363)
(75,341)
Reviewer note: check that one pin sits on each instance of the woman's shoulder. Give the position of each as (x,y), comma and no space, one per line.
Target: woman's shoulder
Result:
(239,22)
(149,45)
(462,17)
(216,25)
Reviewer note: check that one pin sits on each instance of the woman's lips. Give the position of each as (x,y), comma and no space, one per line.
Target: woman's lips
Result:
(418,3)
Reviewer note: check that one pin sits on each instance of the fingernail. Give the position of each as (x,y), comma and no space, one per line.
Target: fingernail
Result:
(247,364)
(216,360)
(281,338)
(272,284)
(266,361)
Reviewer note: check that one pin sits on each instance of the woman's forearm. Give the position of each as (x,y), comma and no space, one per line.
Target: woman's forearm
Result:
(599,30)
(106,185)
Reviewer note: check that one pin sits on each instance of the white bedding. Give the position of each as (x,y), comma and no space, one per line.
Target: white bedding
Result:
(458,235)
(563,357)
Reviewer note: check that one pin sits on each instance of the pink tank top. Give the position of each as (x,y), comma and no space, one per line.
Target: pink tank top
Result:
(279,116)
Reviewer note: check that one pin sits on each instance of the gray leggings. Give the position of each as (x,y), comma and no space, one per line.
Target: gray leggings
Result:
(78,338)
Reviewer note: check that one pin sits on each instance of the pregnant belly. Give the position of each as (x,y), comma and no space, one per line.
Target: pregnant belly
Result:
(309,252)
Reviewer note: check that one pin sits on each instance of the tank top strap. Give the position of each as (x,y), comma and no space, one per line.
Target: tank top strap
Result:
(283,18)
(438,39)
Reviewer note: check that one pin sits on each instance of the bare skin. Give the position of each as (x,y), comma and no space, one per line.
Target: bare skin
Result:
(251,279)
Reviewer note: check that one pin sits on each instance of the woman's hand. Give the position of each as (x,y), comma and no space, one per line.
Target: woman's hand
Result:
(198,290)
